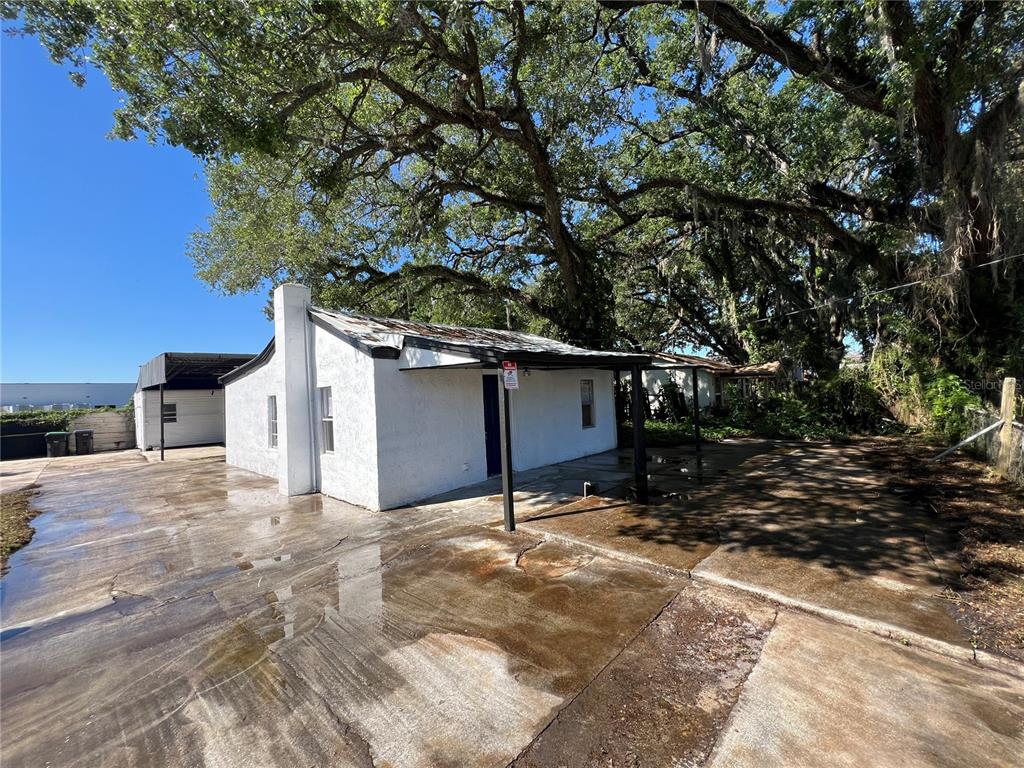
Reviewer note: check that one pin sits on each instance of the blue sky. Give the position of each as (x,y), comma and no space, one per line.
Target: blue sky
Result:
(94,275)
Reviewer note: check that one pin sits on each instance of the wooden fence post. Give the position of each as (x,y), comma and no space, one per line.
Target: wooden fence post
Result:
(1007,408)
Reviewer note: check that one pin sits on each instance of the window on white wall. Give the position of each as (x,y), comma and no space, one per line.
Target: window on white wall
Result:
(170,413)
(587,401)
(326,420)
(272,420)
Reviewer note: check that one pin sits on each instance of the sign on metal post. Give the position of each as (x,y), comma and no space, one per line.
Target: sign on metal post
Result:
(510,374)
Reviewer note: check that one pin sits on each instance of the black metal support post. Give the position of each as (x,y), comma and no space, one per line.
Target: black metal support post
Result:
(506,459)
(161,422)
(696,408)
(639,436)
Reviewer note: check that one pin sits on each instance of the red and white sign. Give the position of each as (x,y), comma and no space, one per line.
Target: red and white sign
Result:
(510,373)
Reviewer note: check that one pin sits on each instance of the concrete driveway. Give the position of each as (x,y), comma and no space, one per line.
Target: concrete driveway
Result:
(812,526)
(185,614)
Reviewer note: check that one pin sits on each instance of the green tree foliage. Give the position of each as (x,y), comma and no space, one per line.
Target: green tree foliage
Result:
(666,173)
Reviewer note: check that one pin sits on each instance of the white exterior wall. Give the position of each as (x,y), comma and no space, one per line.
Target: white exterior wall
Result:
(247,419)
(430,425)
(655,379)
(547,417)
(350,472)
(430,430)
(200,418)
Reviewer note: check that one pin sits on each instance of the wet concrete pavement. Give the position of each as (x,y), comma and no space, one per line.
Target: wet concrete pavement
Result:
(823,695)
(810,523)
(186,614)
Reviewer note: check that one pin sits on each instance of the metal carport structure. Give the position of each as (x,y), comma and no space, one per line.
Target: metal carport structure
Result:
(185,371)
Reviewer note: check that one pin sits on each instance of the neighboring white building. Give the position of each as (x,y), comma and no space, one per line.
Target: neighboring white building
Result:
(714,378)
(192,397)
(666,367)
(26,397)
(382,413)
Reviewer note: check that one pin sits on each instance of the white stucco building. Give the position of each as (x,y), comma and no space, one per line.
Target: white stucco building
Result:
(382,413)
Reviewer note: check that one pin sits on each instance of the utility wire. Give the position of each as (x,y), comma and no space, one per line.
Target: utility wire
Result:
(899,287)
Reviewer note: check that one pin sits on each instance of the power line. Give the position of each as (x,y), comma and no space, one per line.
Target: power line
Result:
(899,287)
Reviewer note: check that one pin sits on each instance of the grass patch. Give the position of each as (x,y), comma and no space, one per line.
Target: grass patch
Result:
(15,513)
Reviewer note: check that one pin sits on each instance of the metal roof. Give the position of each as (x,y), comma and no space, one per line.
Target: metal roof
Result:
(765,370)
(386,337)
(672,360)
(251,365)
(188,370)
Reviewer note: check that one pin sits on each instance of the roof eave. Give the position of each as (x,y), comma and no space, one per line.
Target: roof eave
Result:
(260,360)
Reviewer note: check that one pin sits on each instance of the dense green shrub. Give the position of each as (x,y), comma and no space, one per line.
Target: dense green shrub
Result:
(847,402)
(947,399)
(672,405)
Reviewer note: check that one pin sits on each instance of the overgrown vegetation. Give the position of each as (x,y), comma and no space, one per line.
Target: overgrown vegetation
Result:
(923,391)
(15,514)
(829,409)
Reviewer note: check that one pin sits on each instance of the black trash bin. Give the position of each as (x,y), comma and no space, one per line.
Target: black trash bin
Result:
(83,441)
(56,444)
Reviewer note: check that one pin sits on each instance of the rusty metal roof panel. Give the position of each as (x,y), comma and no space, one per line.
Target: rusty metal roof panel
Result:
(759,369)
(487,344)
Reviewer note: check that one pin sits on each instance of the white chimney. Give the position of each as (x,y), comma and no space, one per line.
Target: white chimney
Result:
(296,470)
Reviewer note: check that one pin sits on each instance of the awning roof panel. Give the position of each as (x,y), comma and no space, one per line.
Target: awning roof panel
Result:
(188,370)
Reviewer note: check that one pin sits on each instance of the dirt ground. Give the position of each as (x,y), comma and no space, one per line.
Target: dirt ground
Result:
(186,614)
(987,513)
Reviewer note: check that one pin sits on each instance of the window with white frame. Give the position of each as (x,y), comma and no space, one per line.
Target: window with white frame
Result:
(272,420)
(326,420)
(587,402)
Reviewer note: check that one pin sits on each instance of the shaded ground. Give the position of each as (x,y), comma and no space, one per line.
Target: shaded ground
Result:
(185,614)
(810,522)
(987,514)
(16,530)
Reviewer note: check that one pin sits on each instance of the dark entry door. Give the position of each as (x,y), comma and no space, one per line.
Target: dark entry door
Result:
(492,425)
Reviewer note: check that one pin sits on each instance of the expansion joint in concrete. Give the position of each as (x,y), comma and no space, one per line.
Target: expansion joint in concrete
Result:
(569,702)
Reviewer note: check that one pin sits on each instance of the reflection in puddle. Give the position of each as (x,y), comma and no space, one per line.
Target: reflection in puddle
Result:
(348,591)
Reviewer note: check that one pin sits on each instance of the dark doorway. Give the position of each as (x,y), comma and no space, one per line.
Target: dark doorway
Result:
(492,425)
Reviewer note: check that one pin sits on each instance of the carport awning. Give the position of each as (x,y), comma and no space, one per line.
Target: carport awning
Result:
(188,370)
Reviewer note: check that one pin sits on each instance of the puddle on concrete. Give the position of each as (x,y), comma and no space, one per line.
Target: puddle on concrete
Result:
(237,651)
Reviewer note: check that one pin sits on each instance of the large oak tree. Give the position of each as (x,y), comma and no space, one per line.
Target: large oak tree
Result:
(666,173)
